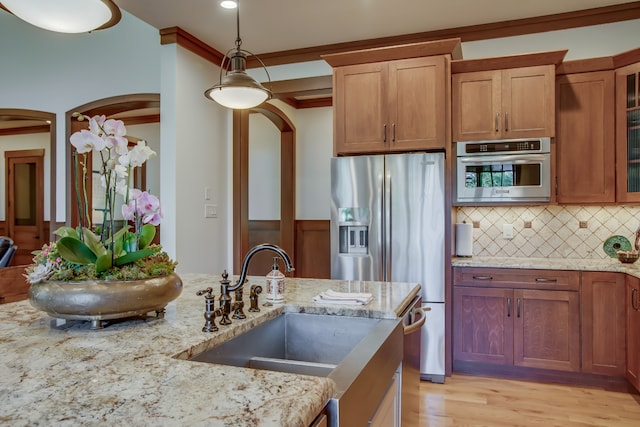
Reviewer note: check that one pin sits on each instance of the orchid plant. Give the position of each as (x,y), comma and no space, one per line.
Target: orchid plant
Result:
(91,251)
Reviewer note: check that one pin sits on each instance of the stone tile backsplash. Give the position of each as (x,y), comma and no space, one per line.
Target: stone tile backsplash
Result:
(555,231)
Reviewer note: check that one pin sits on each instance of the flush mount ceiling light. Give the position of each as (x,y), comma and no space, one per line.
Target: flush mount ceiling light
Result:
(66,16)
(229,4)
(236,89)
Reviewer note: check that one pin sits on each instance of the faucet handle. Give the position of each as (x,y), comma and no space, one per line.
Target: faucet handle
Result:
(253,297)
(207,291)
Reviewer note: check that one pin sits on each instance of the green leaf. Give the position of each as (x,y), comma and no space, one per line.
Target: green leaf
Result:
(73,250)
(104,262)
(146,236)
(67,232)
(133,256)
(118,238)
(93,242)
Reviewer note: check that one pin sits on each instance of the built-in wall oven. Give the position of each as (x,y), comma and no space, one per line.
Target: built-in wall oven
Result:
(515,170)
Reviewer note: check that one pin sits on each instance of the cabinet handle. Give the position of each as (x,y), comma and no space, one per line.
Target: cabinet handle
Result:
(482,278)
(634,304)
(384,132)
(508,307)
(506,122)
(497,120)
(545,280)
(393,132)
(518,308)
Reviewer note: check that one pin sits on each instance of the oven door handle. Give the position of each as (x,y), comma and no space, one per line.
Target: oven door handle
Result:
(513,159)
(409,329)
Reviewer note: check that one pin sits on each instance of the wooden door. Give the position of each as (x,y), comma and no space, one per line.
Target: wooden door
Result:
(628,134)
(25,202)
(360,108)
(585,143)
(476,106)
(483,325)
(603,327)
(633,330)
(417,105)
(547,329)
(528,102)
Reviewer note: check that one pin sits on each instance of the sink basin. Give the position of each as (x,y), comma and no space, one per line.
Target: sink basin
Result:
(309,344)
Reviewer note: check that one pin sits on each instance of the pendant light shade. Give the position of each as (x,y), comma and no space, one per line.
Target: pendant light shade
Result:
(236,89)
(66,16)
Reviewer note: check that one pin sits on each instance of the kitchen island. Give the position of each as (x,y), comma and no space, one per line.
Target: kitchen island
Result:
(135,372)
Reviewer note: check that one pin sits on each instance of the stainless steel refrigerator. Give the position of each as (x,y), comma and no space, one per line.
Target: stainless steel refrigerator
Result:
(387,223)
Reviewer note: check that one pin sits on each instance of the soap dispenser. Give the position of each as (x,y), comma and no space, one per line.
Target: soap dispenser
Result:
(275,284)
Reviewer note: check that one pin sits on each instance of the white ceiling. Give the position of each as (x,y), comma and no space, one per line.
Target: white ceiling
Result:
(279,25)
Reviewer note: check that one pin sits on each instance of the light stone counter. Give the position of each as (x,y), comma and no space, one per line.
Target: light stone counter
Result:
(611,264)
(55,372)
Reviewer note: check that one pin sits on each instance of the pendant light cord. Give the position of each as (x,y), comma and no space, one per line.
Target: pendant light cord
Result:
(238,39)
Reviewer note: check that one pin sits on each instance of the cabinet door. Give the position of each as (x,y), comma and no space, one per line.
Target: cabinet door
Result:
(417,104)
(360,109)
(476,106)
(483,325)
(387,413)
(547,329)
(633,331)
(628,134)
(585,143)
(603,323)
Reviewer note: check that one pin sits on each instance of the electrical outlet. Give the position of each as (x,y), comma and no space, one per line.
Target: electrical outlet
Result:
(507,231)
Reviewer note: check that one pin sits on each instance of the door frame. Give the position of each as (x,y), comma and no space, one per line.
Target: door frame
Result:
(50,120)
(241,180)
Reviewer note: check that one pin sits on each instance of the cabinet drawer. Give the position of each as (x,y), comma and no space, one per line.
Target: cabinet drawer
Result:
(516,278)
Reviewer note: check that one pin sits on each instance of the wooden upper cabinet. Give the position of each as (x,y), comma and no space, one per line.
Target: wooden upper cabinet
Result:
(360,107)
(501,104)
(390,106)
(585,138)
(628,134)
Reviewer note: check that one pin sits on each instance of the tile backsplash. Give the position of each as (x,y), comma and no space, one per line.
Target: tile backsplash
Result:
(551,232)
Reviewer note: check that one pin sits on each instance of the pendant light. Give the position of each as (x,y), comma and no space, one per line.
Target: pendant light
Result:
(66,16)
(237,89)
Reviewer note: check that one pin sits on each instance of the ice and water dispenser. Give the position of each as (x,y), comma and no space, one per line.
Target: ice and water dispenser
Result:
(354,230)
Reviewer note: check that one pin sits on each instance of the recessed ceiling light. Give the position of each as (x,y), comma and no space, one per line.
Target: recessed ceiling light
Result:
(229,4)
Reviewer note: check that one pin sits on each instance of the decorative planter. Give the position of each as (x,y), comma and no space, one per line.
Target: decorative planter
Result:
(105,300)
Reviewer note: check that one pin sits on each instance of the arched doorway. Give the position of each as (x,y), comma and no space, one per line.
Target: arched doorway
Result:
(241,230)
(33,233)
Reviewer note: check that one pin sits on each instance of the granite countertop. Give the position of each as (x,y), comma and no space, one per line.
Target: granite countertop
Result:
(611,264)
(56,372)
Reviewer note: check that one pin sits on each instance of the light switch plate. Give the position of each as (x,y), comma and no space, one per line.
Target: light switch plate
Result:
(210,211)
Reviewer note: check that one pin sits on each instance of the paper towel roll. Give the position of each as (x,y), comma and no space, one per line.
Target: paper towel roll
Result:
(464,239)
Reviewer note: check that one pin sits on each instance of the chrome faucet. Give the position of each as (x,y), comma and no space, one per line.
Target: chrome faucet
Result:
(252,252)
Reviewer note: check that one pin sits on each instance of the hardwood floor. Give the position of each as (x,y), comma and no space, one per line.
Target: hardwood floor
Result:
(477,401)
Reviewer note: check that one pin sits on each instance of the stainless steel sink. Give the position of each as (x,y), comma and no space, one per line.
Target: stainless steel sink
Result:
(359,354)
(309,344)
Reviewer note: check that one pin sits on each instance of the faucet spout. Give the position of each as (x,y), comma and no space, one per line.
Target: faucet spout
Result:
(252,252)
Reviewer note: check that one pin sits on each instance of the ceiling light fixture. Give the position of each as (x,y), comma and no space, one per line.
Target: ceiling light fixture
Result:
(66,16)
(229,4)
(237,89)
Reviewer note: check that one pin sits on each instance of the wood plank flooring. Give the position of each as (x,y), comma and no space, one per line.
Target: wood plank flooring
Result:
(477,401)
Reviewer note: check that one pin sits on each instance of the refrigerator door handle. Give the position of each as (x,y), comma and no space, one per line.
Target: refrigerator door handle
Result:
(387,228)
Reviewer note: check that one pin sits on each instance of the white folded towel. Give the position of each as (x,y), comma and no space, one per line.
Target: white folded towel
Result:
(352,298)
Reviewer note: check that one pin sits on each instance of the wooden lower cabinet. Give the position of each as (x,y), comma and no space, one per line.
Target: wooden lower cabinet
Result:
(633,331)
(603,323)
(521,327)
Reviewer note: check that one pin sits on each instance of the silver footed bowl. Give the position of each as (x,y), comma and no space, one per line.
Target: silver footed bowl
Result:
(104,300)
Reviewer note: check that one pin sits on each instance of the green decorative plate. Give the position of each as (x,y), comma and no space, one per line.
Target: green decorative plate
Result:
(616,243)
